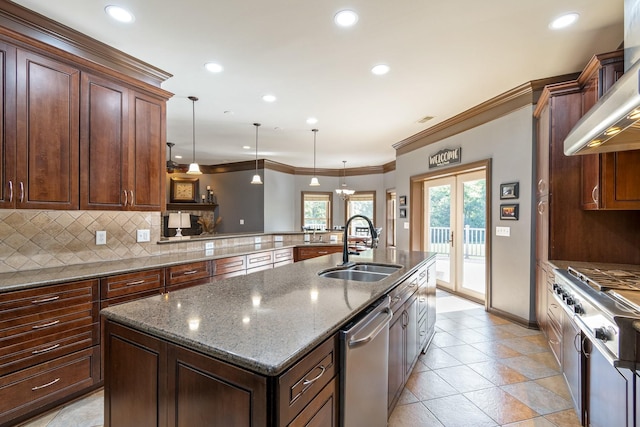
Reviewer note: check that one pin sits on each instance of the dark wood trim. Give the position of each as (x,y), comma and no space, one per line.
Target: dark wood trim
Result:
(555,90)
(19,22)
(597,62)
(292,170)
(389,167)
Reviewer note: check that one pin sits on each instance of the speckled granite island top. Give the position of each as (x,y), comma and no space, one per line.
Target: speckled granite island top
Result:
(267,320)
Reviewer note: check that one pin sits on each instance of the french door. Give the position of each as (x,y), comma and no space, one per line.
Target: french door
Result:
(455,219)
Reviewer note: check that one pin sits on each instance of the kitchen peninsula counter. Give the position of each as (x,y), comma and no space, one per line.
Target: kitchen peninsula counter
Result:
(265,321)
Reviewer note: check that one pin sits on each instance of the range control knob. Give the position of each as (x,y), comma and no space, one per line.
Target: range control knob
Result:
(569,300)
(601,334)
(555,286)
(577,309)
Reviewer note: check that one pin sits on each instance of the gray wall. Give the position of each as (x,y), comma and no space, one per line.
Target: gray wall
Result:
(508,142)
(279,205)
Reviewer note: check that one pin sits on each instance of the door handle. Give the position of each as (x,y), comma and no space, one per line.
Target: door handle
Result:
(383,324)
(451,239)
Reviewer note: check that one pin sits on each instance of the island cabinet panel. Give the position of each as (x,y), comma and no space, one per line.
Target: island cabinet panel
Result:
(323,411)
(230,267)
(47,139)
(307,252)
(205,391)
(136,378)
(185,275)
(282,257)
(300,385)
(129,286)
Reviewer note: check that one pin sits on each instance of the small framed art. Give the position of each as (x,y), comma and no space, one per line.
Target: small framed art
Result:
(509,190)
(509,211)
(183,190)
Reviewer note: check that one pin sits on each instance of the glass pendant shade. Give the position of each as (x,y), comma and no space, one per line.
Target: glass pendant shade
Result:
(194,168)
(256,178)
(314,181)
(343,191)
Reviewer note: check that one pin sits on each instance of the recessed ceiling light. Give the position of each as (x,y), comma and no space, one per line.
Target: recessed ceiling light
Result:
(229,112)
(213,67)
(380,69)
(119,13)
(564,21)
(269,98)
(345,18)
(312,121)
(246,147)
(177,156)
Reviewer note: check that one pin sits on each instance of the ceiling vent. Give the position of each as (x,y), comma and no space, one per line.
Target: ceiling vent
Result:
(425,119)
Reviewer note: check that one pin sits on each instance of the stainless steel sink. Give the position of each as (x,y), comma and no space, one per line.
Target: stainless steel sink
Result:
(361,272)
(377,268)
(359,276)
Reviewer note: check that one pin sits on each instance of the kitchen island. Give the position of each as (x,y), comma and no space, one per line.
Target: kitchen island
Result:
(250,350)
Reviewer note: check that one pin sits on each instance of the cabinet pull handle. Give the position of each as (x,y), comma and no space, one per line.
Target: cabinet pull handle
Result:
(575,345)
(44,350)
(423,299)
(594,194)
(137,282)
(21,192)
(46,325)
(541,207)
(186,273)
(554,342)
(40,301)
(131,201)
(10,191)
(45,385)
(313,380)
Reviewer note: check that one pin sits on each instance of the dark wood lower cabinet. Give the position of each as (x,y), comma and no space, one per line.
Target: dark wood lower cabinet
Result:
(150,382)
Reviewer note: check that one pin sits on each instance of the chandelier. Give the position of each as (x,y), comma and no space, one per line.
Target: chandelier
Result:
(343,191)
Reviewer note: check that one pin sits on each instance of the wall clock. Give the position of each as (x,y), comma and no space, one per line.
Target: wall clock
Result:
(184,190)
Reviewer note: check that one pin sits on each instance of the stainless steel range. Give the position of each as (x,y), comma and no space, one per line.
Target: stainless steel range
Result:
(605,303)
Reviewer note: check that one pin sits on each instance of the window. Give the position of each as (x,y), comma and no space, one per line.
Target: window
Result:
(316,210)
(361,203)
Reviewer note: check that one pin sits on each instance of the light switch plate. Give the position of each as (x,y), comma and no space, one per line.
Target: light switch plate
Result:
(257,240)
(101,237)
(503,231)
(208,245)
(277,238)
(143,236)
(242,222)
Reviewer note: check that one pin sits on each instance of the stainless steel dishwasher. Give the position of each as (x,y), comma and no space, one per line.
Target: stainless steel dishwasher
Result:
(365,356)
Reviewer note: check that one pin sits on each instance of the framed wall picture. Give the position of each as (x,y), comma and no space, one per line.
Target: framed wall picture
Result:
(402,200)
(509,190)
(183,190)
(509,211)
(403,213)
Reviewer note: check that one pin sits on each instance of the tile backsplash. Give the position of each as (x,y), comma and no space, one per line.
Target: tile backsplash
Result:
(32,239)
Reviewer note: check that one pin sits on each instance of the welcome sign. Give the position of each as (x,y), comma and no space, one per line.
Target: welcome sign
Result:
(445,157)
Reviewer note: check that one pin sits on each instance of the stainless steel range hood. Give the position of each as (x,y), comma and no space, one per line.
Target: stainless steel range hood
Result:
(613,124)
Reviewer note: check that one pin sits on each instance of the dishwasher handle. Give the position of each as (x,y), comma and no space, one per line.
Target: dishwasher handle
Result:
(383,324)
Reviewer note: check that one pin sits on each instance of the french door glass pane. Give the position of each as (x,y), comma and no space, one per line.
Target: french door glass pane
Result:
(474,235)
(440,229)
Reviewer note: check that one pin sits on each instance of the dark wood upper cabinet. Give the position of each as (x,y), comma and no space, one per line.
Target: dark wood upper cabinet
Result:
(7,126)
(47,142)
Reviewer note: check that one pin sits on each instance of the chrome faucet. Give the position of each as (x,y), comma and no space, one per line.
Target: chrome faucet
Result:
(345,243)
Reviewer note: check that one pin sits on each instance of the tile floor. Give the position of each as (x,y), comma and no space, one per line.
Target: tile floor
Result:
(480,370)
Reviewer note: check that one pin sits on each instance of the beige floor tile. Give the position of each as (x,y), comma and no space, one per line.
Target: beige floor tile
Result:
(428,385)
(534,422)
(566,418)
(413,415)
(458,411)
(557,385)
(546,359)
(500,406)
(463,378)
(466,353)
(529,367)
(437,358)
(496,350)
(498,373)
(471,336)
(407,397)
(538,398)
(446,339)
(524,345)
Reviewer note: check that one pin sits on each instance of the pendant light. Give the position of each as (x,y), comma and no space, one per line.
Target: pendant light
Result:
(194,168)
(343,191)
(256,178)
(314,180)
(171,164)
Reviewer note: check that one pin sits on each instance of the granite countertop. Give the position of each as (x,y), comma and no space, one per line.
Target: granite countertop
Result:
(49,276)
(268,320)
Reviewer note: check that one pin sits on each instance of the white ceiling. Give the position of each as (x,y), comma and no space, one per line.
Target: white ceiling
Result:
(445,57)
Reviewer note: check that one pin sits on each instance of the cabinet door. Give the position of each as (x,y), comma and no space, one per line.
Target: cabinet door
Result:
(621,180)
(413,337)
(47,133)
(323,409)
(572,362)
(146,167)
(396,357)
(103,144)
(7,126)
(542,152)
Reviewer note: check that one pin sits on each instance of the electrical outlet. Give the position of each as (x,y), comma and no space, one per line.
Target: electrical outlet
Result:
(101,237)
(277,238)
(257,240)
(208,252)
(242,222)
(503,231)
(143,236)
(406,225)
(208,245)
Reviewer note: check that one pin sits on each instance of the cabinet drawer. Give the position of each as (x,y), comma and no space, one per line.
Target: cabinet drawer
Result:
(402,292)
(259,259)
(555,311)
(281,255)
(18,354)
(230,265)
(281,263)
(131,283)
(179,274)
(423,333)
(34,303)
(316,251)
(301,383)
(422,300)
(28,389)
(555,342)
(261,268)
